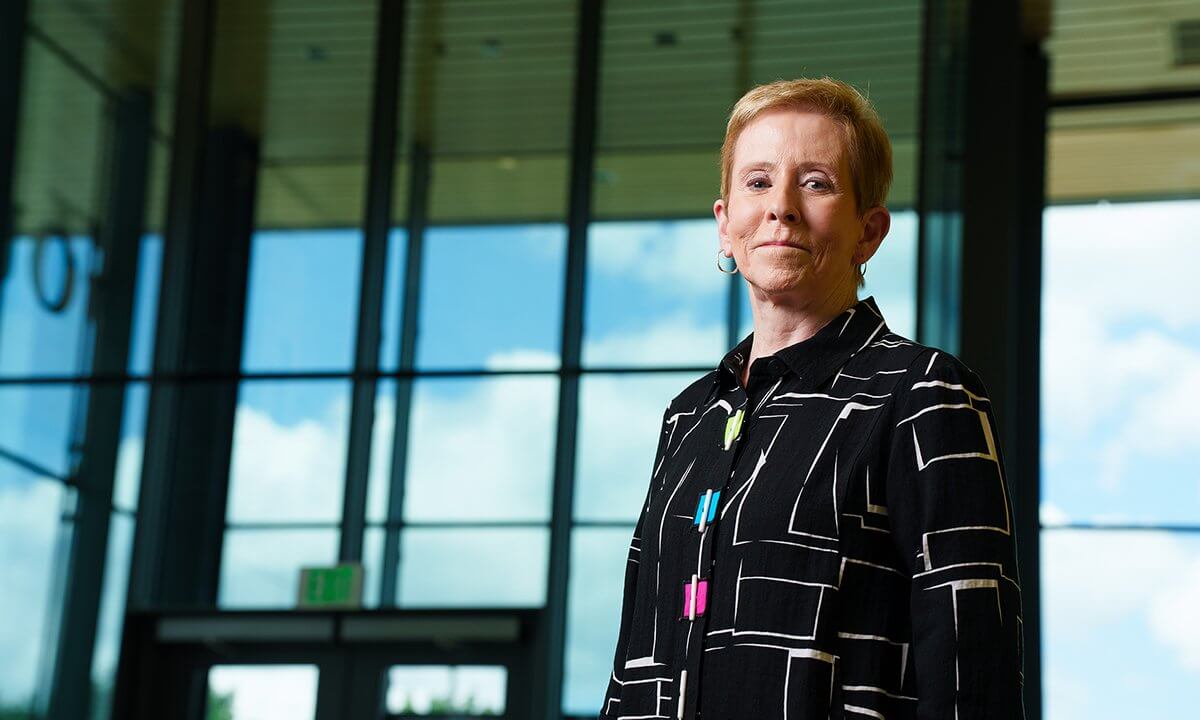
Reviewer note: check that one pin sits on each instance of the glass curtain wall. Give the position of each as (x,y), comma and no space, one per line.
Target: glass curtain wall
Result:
(463,442)
(78,287)
(458,505)
(1120,502)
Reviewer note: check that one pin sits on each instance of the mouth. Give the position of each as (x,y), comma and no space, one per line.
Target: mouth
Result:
(781,243)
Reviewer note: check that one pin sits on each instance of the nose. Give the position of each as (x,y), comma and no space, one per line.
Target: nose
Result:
(784,206)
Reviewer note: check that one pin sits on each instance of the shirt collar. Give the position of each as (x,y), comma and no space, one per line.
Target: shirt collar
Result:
(815,359)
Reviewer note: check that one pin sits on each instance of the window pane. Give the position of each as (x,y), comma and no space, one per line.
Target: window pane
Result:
(44,305)
(31,554)
(473,567)
(491,297)
(35,425)
(112,614)
(127,481)
(302,300)
(619,421)
(262,692)
(372,560)
(261,568)
(1121,363)
(892,275)
(481,449)
(1119,632)
(393,299)
(598,557)
(379,479)
(654,294)
(461,690)
(297,78)
(145,305)
(289,451)
(44,293)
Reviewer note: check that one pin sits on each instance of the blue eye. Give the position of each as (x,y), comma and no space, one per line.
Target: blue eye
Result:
(758,183)
(820,182)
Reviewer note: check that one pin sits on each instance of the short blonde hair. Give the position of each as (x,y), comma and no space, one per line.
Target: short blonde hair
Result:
(869,150)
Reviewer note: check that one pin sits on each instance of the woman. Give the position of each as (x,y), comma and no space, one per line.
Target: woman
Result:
(827,532)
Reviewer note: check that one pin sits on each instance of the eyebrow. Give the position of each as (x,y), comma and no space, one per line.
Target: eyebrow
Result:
(768,165)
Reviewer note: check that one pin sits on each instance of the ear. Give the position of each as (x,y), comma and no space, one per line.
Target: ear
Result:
(876,223)
(721,212)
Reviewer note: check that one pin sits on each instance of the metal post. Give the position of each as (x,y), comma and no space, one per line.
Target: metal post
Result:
(420,172)
(111,309)
(418,201)
(187,154)
(552,638)
(13,16)
(206,251)
(389,45)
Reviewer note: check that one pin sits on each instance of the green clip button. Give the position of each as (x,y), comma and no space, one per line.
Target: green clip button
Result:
(733,426)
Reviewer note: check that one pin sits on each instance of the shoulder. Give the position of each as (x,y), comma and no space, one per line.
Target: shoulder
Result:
(922,372)
(922,363)
(935,379)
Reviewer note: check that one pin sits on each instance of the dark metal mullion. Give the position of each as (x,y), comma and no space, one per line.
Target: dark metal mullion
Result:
(389,44)
(111,309)
(1024,394)
(196,28)
(743,82)
(13,18)
(418,201)
(552,640)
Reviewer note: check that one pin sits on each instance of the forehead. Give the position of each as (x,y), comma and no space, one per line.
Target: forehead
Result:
(791,135)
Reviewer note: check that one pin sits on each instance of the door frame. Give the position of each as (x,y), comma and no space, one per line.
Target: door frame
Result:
(166,657)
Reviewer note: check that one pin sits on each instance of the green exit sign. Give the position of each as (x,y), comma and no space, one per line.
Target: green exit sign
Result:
(337,587)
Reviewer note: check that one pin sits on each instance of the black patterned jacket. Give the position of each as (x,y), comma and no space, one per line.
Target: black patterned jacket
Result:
(833,541)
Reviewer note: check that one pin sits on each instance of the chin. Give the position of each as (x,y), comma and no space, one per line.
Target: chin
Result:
(779,279)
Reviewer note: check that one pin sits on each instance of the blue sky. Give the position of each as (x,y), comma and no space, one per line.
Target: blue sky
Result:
(1121,341)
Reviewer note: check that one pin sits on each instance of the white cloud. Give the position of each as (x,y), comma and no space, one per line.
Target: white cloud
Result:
(674,257)
(618,433)
(522,359)
(482,448)
(671,341)
(1126,261)
(1094,580)
(1123,568)
(1051,514)
(1119,366)
(29,528)
(1175,613)
(288,472)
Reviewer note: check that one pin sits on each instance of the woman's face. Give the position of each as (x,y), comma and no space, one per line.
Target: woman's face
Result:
(790,221)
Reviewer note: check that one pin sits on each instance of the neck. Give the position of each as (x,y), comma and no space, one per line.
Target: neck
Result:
(782,321)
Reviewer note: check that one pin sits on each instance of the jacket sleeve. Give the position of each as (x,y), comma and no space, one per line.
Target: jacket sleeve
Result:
(612,697)
(951,518)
